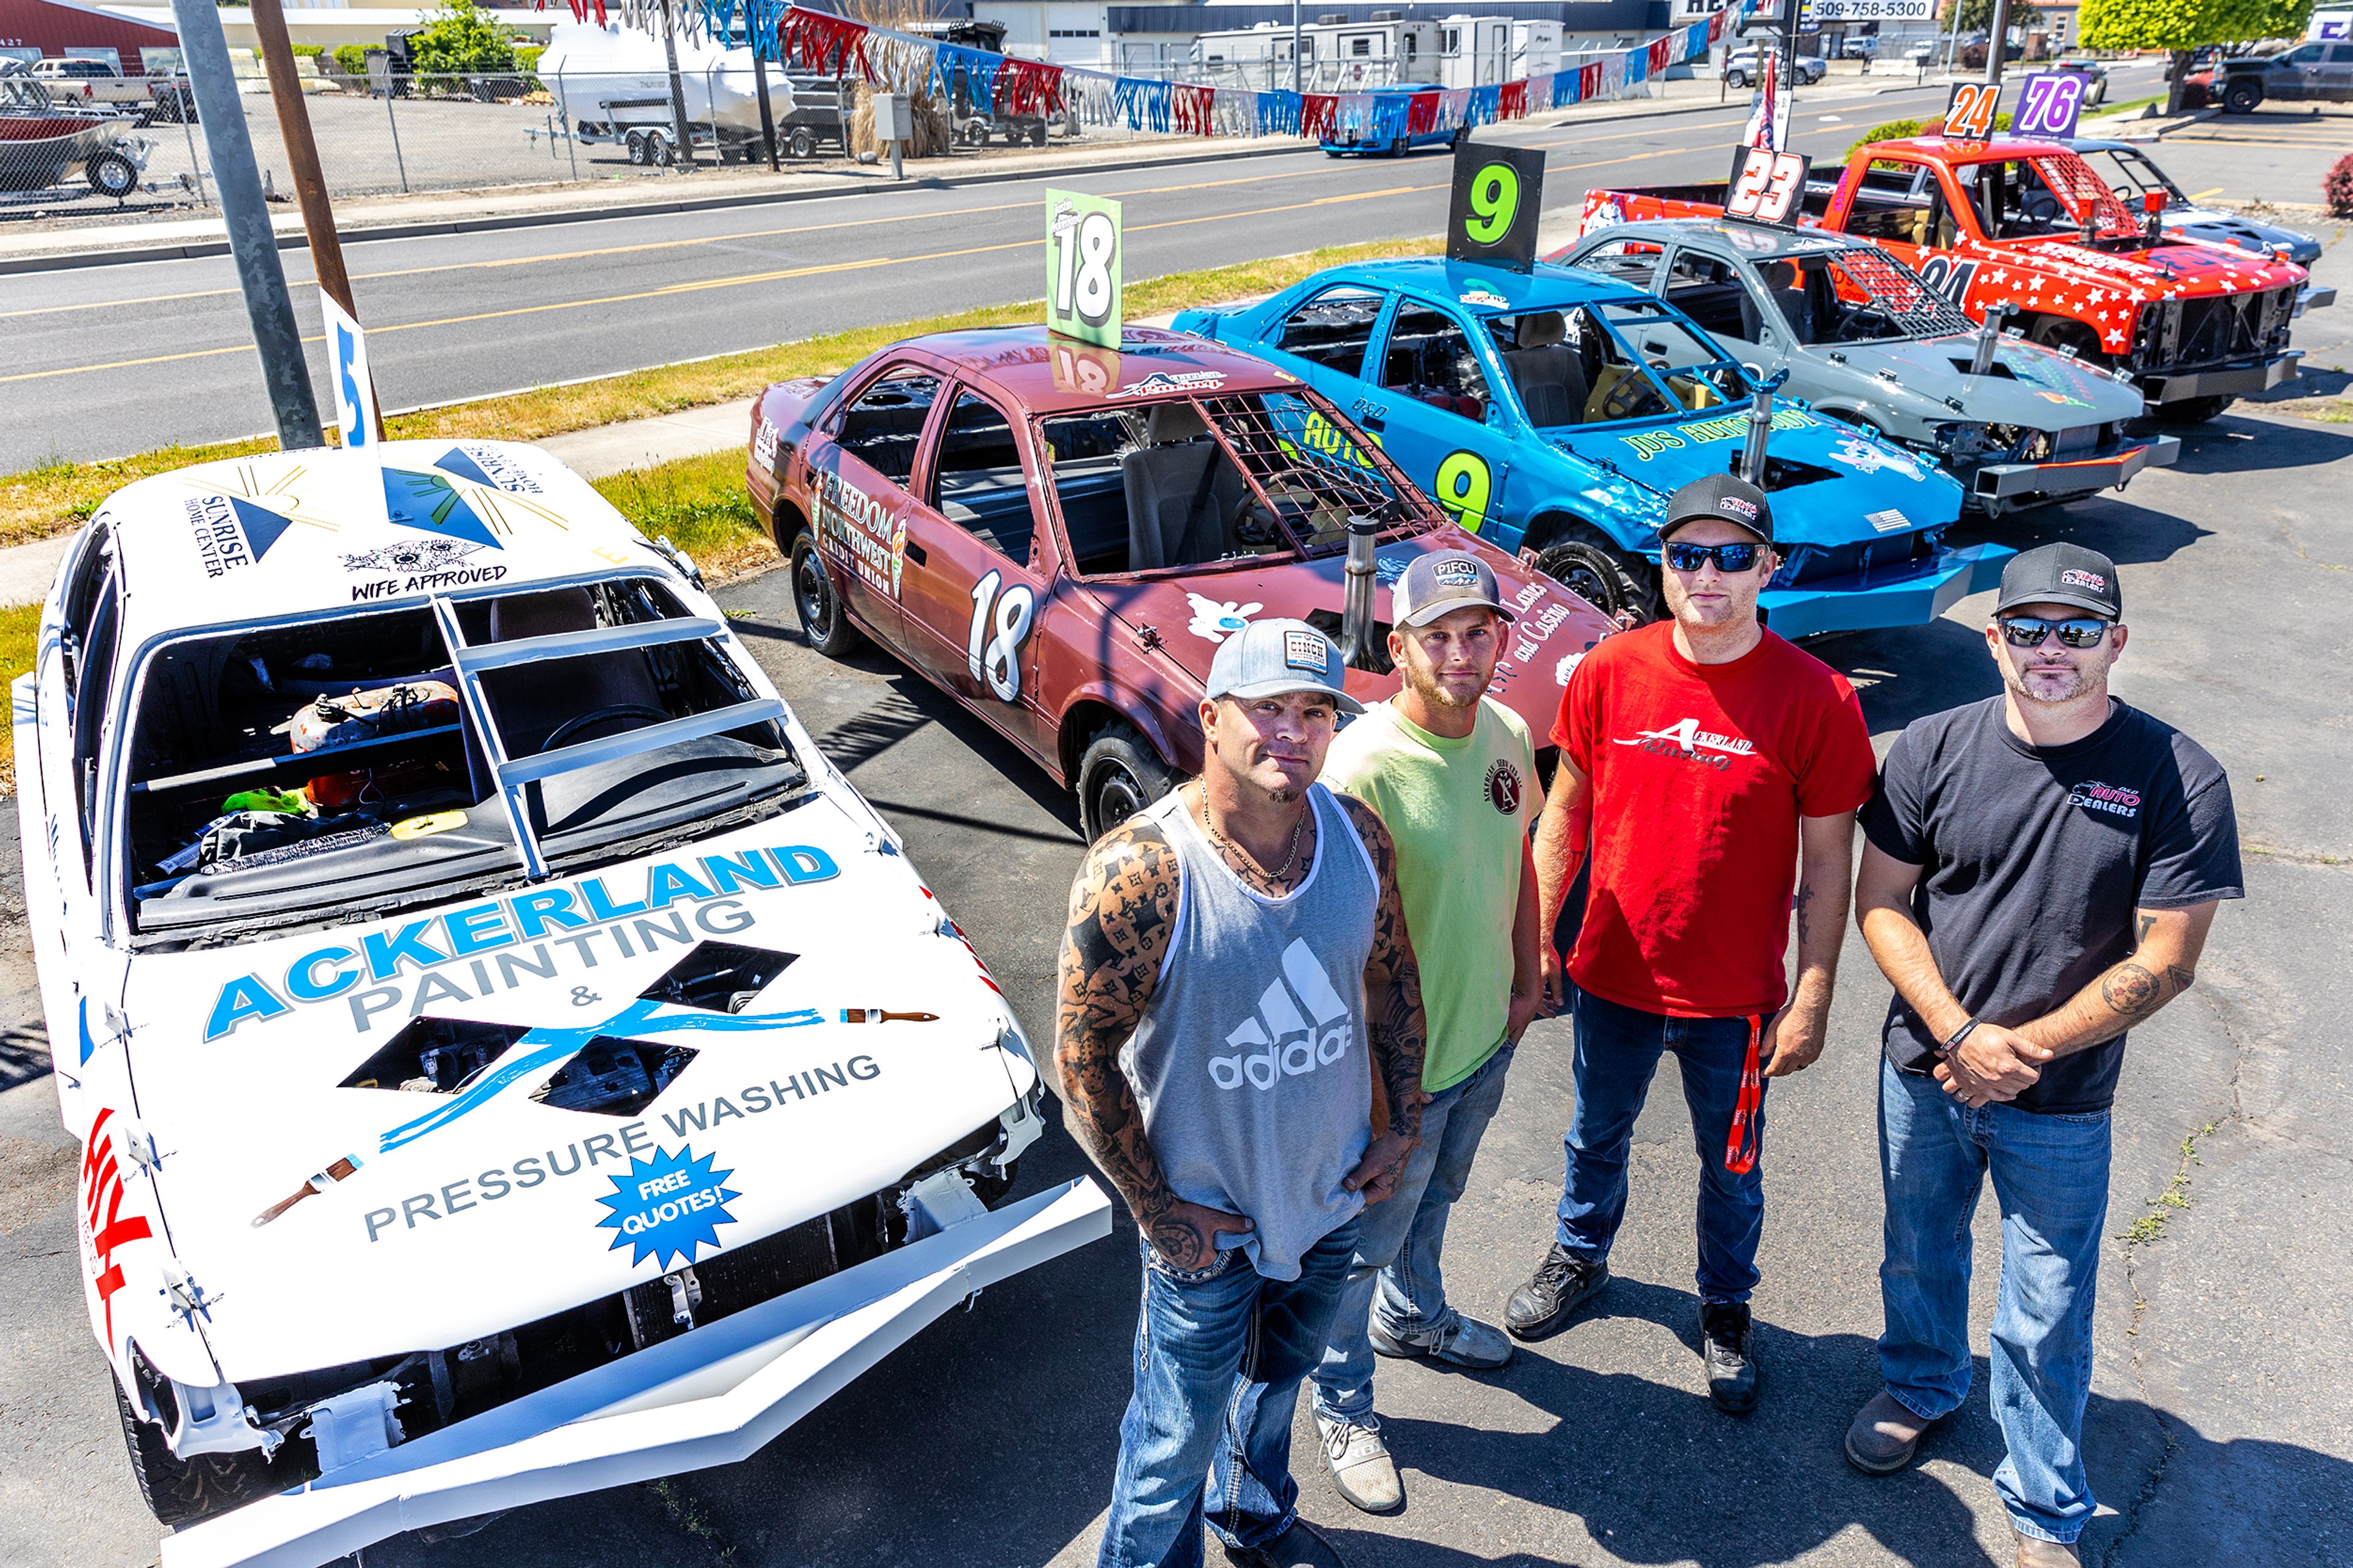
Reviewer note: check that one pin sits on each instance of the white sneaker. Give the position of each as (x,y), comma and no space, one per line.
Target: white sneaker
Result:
(1360,1463)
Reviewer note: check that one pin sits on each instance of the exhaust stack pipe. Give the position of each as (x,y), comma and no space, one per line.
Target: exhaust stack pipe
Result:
(1760,425)
(1356,648)
(1988,339)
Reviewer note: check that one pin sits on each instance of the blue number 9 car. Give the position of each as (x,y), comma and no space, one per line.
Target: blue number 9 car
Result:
(1553,412)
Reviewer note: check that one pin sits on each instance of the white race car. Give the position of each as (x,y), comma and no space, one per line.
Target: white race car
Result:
(509,1058)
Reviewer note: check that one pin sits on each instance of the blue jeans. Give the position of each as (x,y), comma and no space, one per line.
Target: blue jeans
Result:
(1218,1355)
(1618,1052)
(1399,1242)
(2050,1179)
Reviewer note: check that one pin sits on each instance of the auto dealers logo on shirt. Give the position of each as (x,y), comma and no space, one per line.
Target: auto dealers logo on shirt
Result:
(1686,740)
(2114,799)
(1279,1041)
(1504,788)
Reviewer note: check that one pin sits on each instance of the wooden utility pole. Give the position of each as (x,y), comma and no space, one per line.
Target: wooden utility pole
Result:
(303,155)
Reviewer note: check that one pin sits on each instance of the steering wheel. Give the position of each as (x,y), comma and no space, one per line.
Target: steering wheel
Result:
(1849,331)
(596,715)
(1618,402)
(1253,523)
(2040,206)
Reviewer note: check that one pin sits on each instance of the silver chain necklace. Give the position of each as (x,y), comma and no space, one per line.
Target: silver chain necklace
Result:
(1228,848)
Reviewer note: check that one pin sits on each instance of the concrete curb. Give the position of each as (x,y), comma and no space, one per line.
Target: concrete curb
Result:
(353,233)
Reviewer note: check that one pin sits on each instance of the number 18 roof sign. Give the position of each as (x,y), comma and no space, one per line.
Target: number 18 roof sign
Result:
(1082,247)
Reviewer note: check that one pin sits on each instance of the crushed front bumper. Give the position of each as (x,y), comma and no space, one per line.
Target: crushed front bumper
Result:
(711,1397)
(2237,381)
(2314,297)
(2074,476)
(1910,594)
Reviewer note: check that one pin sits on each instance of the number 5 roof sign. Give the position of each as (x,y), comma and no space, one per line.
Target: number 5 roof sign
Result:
(347,359)
(1497,194)
(1082,256)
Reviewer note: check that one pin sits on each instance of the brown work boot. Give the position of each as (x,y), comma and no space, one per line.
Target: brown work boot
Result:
(1884,1435)
(2033,1551)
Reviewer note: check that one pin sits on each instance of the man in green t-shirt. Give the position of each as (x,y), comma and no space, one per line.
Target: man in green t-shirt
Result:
(1453,774)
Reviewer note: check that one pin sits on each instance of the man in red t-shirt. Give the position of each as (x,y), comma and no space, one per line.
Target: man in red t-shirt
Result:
(1718,765)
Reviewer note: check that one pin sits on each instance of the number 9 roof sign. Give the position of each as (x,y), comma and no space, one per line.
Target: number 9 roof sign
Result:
(1498,193)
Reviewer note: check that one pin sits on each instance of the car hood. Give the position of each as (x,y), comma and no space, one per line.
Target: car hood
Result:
(2160,272)
(1192,614)
(1838,483)
(2208,226)
(472,1211)
(2027,384)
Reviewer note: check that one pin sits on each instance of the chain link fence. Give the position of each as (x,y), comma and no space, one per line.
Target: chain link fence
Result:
(407,135)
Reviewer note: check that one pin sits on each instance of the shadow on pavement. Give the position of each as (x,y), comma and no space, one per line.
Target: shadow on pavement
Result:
(23,1055)
(2232,444)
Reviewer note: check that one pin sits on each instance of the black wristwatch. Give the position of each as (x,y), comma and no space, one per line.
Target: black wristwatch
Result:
(1953,1041)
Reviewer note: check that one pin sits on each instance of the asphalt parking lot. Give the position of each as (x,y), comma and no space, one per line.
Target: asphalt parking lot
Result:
(2222,1421)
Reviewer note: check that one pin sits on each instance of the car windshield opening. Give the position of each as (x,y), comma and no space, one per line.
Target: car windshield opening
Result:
(2132,176)
(1195,481)
(1696,371)
(1858,296)
(313,770)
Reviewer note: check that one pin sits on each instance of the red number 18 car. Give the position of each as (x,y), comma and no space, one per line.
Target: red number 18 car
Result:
(1061,536)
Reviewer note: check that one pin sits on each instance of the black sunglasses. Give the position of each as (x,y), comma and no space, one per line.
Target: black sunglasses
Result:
(1731,559)
(2027,631)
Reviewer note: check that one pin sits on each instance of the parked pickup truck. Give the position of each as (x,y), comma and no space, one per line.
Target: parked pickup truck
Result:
(2029,227)
(95,81)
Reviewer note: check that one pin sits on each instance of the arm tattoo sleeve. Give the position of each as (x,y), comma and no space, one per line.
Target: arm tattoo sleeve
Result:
(1394,1020)
(1123,908)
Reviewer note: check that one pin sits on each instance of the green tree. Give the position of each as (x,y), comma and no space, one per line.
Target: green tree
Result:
(1977,16)
(2182,25)
(460,37)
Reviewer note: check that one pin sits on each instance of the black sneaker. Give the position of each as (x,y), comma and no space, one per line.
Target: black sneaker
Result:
(1560,1285)
(1297,1547)
(1727,1346)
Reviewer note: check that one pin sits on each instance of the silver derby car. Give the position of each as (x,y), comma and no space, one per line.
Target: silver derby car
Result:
(1866,339)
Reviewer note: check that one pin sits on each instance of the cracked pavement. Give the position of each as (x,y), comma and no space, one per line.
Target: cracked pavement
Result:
(2220,1429)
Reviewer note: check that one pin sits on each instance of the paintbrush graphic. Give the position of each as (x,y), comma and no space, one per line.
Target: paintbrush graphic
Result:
(342,1169)
(877,1015)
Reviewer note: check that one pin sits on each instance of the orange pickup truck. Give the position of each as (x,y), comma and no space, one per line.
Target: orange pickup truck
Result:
(2029,228)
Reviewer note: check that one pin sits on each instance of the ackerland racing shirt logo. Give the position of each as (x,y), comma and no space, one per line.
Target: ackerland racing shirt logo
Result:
(2114,799)
(1688,743)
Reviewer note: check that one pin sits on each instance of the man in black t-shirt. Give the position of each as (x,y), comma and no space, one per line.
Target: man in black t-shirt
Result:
(2039,875)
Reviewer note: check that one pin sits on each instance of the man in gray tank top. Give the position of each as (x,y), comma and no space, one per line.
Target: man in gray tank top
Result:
(1239,1041)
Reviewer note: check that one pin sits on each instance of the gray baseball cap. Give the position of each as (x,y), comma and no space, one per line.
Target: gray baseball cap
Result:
(1274,659)
(1441,583)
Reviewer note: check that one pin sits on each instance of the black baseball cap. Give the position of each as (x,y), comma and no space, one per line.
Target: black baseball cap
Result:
(2061,575)
(1735,501)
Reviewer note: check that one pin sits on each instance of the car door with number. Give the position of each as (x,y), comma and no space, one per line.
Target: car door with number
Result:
(1329,338)
(858,492)
(972,590)
(1438,402)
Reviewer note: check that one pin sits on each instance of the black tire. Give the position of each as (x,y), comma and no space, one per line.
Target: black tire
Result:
(823,623)
(802,142)
(658,152)
(110,173)
(181,1491)
(2191,410)
(2241,96)
(1037,136)
(1119,775)
(2065,332)
(1597,570)
(1736,79)
(638,151)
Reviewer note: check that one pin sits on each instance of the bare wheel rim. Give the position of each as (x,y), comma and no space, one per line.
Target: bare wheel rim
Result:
(1119,794)
(812,596)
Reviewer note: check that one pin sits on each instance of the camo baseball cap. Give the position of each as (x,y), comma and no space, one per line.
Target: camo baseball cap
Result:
(1274,658)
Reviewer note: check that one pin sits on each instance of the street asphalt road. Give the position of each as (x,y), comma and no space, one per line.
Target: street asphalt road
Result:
(107,361)
(2220,1429)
